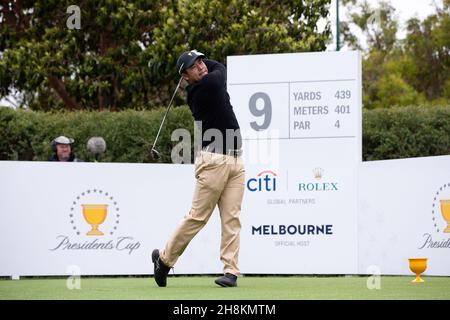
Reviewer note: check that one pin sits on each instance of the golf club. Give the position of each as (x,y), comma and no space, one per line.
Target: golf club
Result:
(154,153)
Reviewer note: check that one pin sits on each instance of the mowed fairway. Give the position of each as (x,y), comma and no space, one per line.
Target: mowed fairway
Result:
(250,288)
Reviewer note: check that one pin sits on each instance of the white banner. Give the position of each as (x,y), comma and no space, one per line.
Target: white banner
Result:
(44,231)
(401,215)
(300,117)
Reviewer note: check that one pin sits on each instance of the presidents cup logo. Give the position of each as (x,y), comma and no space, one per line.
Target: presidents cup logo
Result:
(440,218)
(440,209)
(94,212)
(94,217)
(445,210)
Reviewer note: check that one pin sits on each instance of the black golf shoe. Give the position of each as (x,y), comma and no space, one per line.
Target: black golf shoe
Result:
(160,269)
(227,280)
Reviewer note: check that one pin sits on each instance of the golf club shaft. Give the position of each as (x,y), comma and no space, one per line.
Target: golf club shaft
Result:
(165,114)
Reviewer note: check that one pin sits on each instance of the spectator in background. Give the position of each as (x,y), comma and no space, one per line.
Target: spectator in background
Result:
(62,150)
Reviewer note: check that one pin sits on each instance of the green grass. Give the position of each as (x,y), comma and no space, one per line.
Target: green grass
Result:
(249,288)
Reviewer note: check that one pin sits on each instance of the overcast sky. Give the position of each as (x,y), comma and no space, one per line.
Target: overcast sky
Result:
(410,8)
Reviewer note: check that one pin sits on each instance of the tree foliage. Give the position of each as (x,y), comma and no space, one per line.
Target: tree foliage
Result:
(400,72)
(26,135)
(124,54)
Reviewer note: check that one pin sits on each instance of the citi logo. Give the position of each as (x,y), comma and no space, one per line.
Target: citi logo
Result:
(265,181)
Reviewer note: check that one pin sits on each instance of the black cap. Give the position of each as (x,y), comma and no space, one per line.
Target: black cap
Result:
(187,59)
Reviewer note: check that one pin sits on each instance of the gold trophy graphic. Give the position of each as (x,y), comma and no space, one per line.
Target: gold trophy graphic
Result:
(445,210)
(95,215)
(418,266)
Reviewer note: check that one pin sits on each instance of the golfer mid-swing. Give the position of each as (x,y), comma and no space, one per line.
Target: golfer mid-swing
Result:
(219,170)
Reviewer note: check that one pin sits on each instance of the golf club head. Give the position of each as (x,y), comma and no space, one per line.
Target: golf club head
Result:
(155,154)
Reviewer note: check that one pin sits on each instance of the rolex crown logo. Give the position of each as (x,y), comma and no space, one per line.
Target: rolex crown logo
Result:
(318,172)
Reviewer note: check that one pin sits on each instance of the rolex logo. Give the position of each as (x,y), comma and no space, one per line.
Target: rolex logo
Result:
(318,172)
(319,185)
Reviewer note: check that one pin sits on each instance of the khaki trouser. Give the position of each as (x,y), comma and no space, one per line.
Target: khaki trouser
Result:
(220,181)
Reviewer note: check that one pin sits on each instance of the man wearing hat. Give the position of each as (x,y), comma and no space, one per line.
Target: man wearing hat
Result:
(62,150)
(219,169)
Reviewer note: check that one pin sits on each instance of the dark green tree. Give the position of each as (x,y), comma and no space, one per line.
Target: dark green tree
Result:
(97,66)
(124,54)
(428,45)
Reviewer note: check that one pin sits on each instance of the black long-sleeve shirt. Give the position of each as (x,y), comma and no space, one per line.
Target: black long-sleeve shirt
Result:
(209,102)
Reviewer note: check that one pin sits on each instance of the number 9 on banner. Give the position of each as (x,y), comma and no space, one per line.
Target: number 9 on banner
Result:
(265,111)
(262,110)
